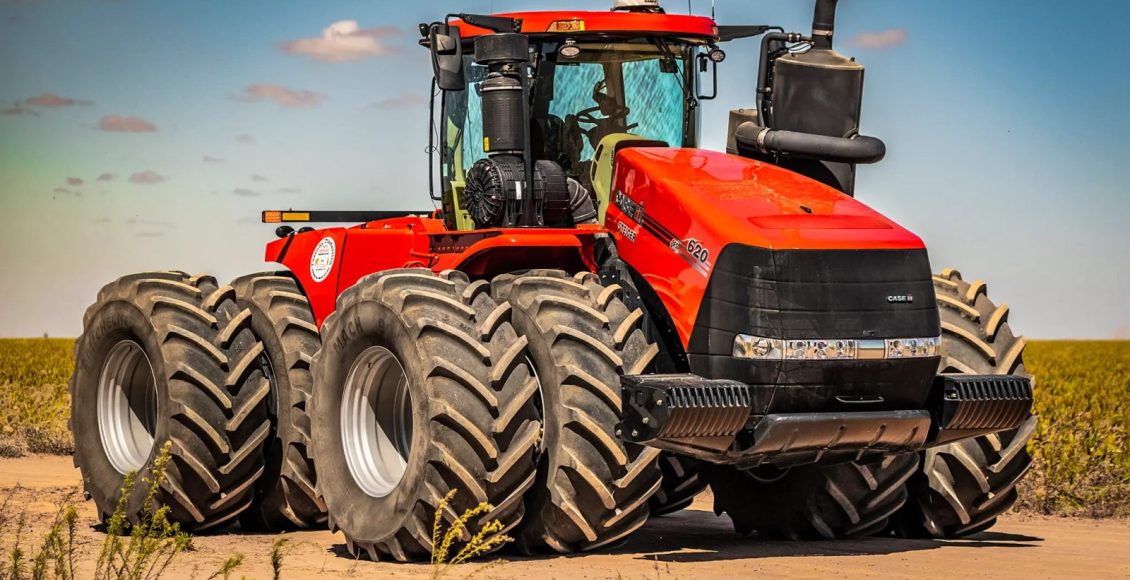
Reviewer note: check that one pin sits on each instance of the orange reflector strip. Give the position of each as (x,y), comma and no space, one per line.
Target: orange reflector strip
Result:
(275,216)
(567,26)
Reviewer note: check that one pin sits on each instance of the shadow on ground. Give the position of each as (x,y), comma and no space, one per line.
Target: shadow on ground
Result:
(700,536)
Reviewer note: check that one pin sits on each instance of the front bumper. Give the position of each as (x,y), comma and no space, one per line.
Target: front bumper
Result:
(714,420)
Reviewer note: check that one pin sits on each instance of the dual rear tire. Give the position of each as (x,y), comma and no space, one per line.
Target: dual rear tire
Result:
(592,490)
(160,363)
(426,385)
(421,389)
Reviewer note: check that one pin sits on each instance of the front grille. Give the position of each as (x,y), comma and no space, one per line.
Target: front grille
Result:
(815,294)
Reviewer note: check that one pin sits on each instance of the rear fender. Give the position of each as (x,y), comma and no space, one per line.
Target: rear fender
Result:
(317,275)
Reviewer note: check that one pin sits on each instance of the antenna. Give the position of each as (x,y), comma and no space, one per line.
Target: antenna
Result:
(713,16)
(689,9)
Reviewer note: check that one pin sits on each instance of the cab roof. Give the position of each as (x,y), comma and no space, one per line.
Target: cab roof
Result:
(581,23)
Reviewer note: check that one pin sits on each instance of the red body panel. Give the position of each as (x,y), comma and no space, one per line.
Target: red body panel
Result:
(684,206)
(694,203)
(606,22)
(415,242)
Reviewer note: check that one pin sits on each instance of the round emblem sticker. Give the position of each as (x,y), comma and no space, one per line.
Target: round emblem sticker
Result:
(322,262)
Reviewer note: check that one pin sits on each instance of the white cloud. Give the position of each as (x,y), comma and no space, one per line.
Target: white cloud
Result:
(343,41)
(147,177)
(120,124)
(402,101)
(881,39)
(281,96)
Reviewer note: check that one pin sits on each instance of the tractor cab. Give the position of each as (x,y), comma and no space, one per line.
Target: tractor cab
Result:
(596,81)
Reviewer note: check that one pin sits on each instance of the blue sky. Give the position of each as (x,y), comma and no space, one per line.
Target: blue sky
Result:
(1006,122)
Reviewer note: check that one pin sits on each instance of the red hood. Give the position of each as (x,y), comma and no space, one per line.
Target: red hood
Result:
(738,200)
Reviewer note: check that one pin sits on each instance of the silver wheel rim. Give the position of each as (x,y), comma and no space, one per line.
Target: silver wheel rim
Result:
(376,421)
(127,407)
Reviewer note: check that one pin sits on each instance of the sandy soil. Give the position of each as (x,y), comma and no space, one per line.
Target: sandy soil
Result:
(692,544)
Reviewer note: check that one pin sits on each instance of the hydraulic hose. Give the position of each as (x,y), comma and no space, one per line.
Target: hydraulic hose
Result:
(752,137)
(581,204)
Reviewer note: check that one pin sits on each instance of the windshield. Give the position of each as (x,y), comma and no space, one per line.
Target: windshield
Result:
(642,88)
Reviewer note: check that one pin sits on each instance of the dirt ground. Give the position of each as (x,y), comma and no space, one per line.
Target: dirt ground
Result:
(692,544)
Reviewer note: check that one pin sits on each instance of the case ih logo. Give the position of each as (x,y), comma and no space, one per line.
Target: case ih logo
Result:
(901,299)
(630,208)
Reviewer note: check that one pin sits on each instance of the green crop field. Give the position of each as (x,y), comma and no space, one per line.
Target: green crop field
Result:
(34,404)
(1082,446)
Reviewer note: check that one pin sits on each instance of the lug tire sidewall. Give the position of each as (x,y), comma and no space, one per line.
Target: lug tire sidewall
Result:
(369,519)
(114,322)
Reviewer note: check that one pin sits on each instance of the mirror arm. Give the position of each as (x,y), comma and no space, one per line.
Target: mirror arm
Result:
(703,60)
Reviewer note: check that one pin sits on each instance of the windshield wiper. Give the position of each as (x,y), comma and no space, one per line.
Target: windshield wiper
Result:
(668,63)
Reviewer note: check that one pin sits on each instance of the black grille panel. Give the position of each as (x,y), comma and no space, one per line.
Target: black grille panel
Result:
(818,294)
(813,294)
(710,397)
(985,402)
(707,410)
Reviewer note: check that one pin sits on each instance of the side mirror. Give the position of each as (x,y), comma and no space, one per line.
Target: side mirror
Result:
(447,57)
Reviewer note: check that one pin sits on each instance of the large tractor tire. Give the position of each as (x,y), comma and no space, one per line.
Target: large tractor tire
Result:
(592,491)
(280,316)
(421,387)
(813,502)
(963,486)
(682,482)
(156,364)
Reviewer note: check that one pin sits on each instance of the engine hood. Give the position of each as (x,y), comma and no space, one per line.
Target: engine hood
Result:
(683,218)
(720,199)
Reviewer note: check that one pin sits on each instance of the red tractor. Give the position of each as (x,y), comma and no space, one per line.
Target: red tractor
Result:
(600,321)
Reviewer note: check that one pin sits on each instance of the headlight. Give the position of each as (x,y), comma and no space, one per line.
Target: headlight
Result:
(759,348)
(746,346)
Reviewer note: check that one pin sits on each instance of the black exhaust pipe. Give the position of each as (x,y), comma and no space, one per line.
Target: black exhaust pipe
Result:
(753,140)
(824,24)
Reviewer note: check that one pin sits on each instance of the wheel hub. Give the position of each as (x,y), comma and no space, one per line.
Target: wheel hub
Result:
(376,421)
(127,407)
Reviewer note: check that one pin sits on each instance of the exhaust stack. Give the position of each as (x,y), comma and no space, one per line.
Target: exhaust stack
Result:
(824,24)
(810,107)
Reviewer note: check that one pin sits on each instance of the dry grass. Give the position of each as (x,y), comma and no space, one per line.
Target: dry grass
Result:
(488,538)
(139,550)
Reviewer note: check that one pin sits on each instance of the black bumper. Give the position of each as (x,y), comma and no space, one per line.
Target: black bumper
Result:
(715,420)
